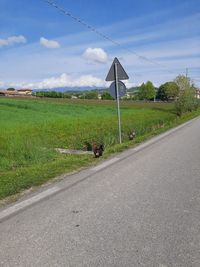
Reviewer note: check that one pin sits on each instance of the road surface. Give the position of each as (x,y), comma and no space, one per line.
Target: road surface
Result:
(141,208)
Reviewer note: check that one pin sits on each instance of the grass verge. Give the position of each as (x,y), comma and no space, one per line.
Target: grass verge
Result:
(32,129)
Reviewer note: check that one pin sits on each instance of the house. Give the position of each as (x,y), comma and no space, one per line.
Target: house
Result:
(19,92)
(74,97)
(24,91)
(198,93)
(2,92)
(8,93)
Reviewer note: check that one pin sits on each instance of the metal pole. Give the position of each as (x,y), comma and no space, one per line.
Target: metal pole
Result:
(118,107)
(186,72)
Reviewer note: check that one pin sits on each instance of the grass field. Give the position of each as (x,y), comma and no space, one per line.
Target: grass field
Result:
(31,129)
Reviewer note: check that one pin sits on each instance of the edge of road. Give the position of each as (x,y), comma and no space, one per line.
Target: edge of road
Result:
(72,180)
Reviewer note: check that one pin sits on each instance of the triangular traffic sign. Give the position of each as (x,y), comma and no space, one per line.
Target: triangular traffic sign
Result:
(121,74)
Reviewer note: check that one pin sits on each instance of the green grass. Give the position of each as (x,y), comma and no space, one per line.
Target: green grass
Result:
(31,129)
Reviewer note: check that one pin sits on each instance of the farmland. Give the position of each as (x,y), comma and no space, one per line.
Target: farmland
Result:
(31,129)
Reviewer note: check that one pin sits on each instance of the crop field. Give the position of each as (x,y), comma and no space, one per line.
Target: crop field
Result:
(31,129)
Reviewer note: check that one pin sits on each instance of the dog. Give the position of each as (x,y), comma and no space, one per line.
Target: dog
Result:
(98,150)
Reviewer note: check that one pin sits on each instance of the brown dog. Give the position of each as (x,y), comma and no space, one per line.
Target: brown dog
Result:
(98,150)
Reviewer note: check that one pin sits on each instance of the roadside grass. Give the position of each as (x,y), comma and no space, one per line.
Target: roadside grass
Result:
(13,182)
(31,129)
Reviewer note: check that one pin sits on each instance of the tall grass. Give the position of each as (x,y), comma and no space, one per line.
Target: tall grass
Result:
(30,130)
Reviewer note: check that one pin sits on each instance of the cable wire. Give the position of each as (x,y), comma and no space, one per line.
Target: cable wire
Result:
(106,37)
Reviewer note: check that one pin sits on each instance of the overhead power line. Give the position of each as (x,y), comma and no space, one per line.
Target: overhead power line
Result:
(106,37)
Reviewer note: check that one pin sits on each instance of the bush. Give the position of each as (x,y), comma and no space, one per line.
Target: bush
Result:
(168,91)
(147,91)
(91,95)
(106,96)
(187,100)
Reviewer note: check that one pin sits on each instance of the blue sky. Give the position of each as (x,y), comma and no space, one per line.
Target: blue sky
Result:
(40,47)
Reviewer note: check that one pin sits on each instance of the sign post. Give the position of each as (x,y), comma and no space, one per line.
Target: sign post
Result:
(118,106)
(117,73)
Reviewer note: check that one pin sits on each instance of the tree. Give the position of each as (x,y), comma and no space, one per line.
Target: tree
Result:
(183,82)
(168,91)
(11,89)
(39,94)
(142,92)
(147,91)
(106,96)
(187,100)
(91,95)
(67,95)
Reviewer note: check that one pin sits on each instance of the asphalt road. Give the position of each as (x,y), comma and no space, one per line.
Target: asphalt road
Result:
(143,210)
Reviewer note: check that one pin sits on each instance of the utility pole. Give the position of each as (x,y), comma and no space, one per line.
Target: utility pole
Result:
(186,72)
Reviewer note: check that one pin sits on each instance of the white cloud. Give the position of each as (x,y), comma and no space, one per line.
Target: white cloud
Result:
(96,54)
(12,40)
(65,80)
(129,84)
(49,43)
(174,44)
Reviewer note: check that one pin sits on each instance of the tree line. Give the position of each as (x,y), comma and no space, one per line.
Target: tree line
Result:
(81,95)
(181,91)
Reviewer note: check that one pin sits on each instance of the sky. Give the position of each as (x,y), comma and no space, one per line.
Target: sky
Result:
(41,47)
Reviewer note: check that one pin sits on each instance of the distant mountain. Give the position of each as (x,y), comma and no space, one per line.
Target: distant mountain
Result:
(71,89)
(133,89)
